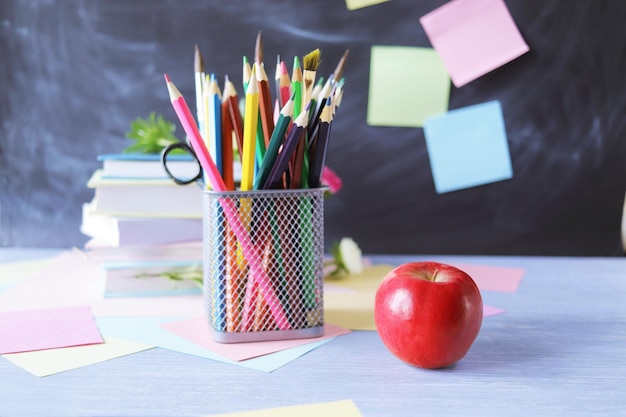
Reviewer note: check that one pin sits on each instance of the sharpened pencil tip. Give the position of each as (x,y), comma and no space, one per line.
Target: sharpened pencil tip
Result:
(167,78)
(198,62)
(258,50)
(340,66)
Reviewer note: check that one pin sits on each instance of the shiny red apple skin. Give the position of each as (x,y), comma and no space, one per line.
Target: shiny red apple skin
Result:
(428,323)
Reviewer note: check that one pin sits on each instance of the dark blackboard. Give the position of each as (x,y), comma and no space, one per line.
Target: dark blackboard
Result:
(73,74)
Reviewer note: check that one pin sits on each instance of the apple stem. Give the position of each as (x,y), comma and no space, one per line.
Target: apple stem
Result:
(434,278)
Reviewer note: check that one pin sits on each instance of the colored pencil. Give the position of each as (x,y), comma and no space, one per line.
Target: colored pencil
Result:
(230,94)
(284,84)
(338,73)
(246,74)
(295,134)
(265,104)
(284,120)
(214,122)
(296,88)
(249,134)
(228,133)
(258,274)
(277,75)
(198,65)
(323,96)
(319,147)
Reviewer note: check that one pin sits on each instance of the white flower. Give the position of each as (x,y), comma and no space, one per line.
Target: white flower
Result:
(350,255)
(346,259)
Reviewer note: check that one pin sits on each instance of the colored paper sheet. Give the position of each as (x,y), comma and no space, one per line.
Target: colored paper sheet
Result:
(343,408)
(197,331)
(67,280)
(71,279)
(468,147)
(406,86)
(355,309)
(47,362)
(473,37)
(491,311)
(28,330)
(147,330)
(11,272)
(494,278)
(178,306)
(359,4)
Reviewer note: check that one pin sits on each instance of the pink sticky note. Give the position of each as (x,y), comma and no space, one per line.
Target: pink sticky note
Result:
(197,331)
(29,330)
(494,278)
(473,37)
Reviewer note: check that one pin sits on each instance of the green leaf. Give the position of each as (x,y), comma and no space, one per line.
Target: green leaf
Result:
(151,135)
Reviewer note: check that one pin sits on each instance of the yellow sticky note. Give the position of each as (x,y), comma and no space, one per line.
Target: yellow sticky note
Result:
(406,86)
(52,361)
(343,408)
(359,4)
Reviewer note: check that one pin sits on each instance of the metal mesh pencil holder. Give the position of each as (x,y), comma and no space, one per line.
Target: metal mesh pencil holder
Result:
(263,264)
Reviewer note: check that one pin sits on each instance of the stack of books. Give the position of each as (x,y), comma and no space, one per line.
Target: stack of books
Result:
(140,223)
(136,203)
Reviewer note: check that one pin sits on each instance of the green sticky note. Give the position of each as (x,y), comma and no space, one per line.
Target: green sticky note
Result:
(407,85)
(359,4)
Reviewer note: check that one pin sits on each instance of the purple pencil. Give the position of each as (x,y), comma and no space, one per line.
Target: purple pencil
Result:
(295,135)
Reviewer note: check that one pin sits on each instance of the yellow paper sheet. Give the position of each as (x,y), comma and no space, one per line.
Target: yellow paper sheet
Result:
(354,307)
(13,271)
(343,408)
(52,361)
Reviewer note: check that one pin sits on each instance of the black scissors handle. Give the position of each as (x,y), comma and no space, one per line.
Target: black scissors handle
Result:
(180,145)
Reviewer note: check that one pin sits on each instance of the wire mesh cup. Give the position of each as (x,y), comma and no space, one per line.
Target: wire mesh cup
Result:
(263,264)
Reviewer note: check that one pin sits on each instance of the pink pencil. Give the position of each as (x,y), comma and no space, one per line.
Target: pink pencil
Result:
(250,253)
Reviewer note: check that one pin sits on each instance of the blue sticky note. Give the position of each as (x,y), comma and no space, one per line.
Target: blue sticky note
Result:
(468,147)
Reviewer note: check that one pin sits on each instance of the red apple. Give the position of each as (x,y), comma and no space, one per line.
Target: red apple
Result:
(428,314)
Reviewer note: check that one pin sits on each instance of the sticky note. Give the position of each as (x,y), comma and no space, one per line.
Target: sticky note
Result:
(359,4)
(473,37)
(29,330)
(468,147)
(406,86)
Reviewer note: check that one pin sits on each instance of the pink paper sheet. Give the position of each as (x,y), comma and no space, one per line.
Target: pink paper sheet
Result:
(494,278)
(473,37)
(197,331)
(29,330)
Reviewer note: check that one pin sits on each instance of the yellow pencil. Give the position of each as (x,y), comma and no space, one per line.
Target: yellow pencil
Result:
(249,133)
